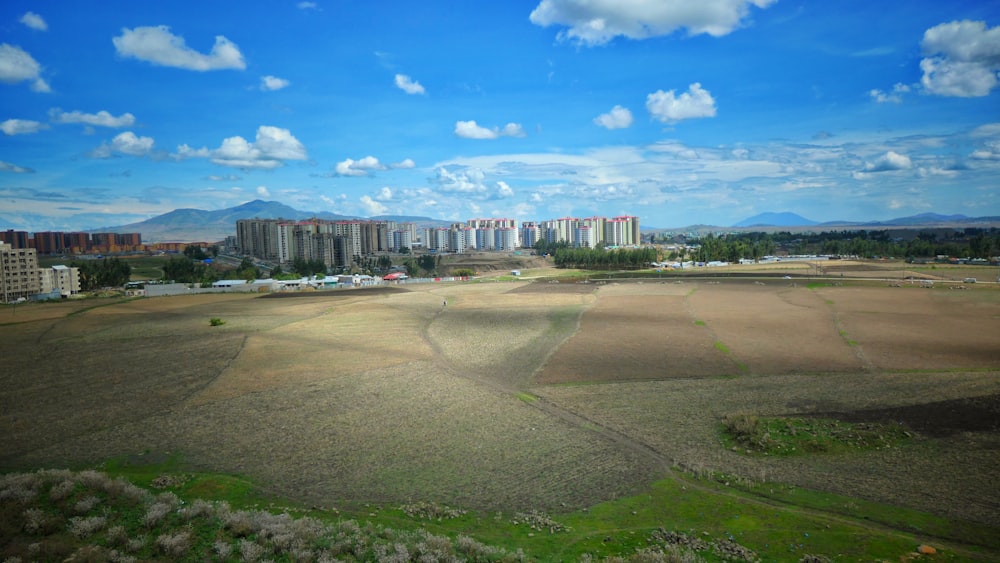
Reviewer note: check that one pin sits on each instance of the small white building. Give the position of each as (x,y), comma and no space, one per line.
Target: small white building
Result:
(60,279)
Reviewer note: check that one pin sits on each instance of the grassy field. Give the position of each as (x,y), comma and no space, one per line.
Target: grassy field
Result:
(600,405)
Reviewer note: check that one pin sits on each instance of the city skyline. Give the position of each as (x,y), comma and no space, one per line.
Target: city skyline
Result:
(530,110)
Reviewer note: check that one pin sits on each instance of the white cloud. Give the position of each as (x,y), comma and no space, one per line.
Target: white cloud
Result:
(670,108)
(21,126)
(888,162)
(504,190)
(160,47)
(34,21)
(408,85)
(271,83)
(16,65)
(361,167)
(598,22)
(227,178)
(512,130)
(990,151)
(372,207)
(100,119)
(124,143)
(895,97)
(465,181)
(471,130)
(617,118)
(385,194)
(263,192)
(307,6)
(271,148)
(963,59)
(405,163)
(8,167)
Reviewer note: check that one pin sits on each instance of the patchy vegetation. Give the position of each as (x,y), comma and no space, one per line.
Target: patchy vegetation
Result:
(798,435)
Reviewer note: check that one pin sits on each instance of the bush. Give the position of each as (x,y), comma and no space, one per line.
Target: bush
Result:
(215,321)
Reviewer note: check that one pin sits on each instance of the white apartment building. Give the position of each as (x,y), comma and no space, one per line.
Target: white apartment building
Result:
(59,278)
(18,273)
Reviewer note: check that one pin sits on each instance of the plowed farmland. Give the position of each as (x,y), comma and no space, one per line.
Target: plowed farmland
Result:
(515,395)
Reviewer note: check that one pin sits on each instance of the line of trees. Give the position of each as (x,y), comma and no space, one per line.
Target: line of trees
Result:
(601,259)
(183,269)
(970,243)
(109,272)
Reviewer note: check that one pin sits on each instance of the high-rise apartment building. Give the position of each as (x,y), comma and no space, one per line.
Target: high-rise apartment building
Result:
(18,273)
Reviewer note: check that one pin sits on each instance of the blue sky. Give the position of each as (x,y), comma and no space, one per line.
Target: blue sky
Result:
(677,112)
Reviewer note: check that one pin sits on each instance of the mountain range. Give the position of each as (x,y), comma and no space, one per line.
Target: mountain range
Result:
(190,225)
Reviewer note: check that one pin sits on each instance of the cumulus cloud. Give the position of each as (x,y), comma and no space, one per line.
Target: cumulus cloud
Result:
(408,85)
(963,59)
(463,181)
(385,194)
(888,162)
(99,119)
(895,97)
(361,167)
(504,190)
(34,21)
(667,107)
(8,167)
(263,192)
(21,126)
(405,163)
(372,207)
(596,23)
(157,45)
(16,65)
(617,118)
(124,143)
(472,130)
(272,146)
(990,151)
(271,83)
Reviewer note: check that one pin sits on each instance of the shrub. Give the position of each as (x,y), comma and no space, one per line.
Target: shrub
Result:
(61,490)
(216,321)
(34,520)
(155,514)
(84,527)
(86,504)
(174,545)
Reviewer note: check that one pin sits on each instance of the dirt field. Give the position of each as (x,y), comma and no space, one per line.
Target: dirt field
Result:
(391,396)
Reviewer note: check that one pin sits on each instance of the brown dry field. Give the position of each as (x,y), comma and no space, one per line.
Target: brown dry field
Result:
(389,396)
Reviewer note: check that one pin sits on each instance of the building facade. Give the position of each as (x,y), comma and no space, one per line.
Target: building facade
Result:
(18,273)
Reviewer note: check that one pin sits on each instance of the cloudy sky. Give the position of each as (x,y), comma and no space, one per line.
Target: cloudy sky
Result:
(679,112)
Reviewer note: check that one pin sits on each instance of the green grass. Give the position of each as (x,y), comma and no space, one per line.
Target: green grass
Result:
(699,323)
(720,346)
(527,397)
(784,436)
(776,522)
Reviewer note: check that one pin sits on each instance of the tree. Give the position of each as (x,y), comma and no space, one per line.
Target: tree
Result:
(195,252)
(110,272)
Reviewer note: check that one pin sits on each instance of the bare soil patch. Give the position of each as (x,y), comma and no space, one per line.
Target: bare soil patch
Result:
(920,329)
(774,330)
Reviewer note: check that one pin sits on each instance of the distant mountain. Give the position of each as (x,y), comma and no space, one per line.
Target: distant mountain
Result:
(196,225)
(927,219)
(426,221)
(785,219)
